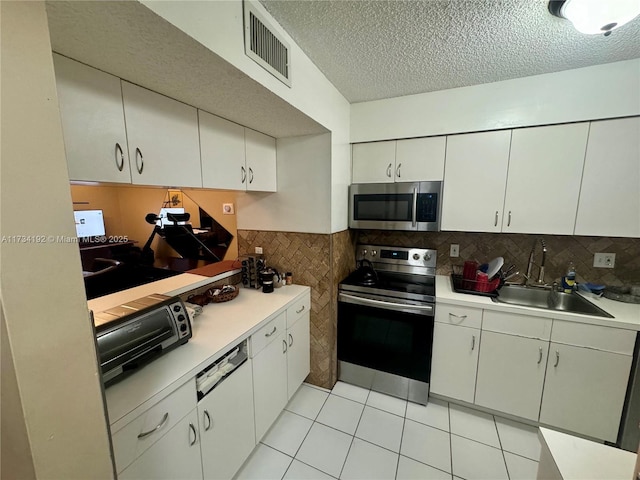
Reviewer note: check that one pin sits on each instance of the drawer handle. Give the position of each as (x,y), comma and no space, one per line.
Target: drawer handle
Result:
(461,317)
(539,355)
(473,342)
(290,340)
(158,427)
(195,435)
(284,346)
(557,358)
(207,417)
(301,310)
(272,332)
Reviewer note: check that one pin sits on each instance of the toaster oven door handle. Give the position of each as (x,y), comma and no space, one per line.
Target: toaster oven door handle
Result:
(370,302)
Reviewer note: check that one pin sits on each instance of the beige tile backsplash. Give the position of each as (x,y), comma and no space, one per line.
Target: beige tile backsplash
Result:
(321,261)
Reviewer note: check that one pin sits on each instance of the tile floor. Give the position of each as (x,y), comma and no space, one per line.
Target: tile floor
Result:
(351,433)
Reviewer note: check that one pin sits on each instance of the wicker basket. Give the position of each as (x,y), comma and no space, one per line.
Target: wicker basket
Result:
(223,297)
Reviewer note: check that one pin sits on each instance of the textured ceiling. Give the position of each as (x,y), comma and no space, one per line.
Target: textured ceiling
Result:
(128,40)
(380,49)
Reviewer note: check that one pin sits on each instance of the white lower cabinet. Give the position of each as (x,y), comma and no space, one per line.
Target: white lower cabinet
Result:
(269,373)
(227,434)
(454,361)
(511,374)
(298,342)
(175,455)
(584,390)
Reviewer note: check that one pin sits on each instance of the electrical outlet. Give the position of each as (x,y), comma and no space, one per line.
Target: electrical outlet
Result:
(454,250)
(259,250)
(227,209)
(604,260)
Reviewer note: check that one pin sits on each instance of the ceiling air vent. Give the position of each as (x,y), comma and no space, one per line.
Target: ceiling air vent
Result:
(265,46)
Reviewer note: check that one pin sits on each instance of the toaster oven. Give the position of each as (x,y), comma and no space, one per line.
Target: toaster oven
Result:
(135,333)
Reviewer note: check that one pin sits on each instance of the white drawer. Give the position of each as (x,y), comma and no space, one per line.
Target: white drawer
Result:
(608,339)
(298,309)
(463,316)
(159,419)
(268,333)
(515,324)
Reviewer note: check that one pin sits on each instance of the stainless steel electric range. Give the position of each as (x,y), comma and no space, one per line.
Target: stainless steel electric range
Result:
(386,310)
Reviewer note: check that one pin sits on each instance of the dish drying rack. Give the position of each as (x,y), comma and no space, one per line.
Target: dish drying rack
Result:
(470,287)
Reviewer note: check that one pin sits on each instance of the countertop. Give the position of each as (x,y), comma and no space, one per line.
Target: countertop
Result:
(215,331)
(580,459)
(626,315)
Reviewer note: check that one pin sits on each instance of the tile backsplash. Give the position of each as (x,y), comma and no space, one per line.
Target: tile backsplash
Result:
(515,248)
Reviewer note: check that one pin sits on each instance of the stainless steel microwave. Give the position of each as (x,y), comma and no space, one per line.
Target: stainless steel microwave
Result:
(396,206)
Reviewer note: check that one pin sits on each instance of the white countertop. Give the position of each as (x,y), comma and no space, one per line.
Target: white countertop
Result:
(626,315)
(215,331)
(580,459)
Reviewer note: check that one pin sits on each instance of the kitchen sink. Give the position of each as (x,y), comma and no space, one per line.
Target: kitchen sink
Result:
(545,298)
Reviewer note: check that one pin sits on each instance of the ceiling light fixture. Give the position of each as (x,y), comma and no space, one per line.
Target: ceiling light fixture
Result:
(596,16)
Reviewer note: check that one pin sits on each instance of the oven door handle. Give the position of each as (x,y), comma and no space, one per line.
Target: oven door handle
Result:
(422,309)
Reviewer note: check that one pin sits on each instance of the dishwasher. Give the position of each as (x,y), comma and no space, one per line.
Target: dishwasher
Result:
(225,413)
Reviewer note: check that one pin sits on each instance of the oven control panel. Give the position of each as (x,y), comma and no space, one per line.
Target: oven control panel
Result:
(416,257)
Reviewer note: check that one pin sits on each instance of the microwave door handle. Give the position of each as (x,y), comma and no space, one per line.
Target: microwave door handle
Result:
(414,211)
(383,304)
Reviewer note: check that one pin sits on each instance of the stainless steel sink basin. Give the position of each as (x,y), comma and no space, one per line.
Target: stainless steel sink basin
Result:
(544,298)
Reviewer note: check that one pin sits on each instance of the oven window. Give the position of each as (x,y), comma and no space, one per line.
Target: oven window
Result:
(383,207)
(393,342)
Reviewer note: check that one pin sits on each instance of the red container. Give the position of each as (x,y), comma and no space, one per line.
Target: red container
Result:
(469,274)
(482,282)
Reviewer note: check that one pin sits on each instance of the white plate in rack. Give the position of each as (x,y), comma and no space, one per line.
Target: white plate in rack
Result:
(494,267)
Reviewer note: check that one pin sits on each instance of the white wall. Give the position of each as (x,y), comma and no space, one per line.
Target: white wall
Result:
(303,200)
(218,25)
(602,91)
(48,327)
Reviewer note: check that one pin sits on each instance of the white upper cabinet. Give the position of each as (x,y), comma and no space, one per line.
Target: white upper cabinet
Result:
(222,153)
(93,122)
(545,170)
(163,139)
(234,157)
(260,152)
(610,195)
(414,160)
(474,181)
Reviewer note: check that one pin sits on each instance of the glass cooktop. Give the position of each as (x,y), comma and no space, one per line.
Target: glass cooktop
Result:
(406,285)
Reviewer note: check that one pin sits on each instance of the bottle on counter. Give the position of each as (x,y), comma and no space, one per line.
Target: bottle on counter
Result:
(569,280)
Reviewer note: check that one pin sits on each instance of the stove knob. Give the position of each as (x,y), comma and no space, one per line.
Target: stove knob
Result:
(364,253)
(374,253)
(427,257)
(416,256)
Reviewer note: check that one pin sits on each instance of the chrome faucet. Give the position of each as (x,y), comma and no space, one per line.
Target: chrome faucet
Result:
(527,276)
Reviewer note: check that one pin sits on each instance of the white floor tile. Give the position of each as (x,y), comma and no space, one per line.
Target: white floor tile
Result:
(265,463)
(409,469)
(341,414)
(427,445)
(307,401)
(287,432)
(519,438)
(325,449)
(520,468)
(352,392)
(369,462)
(476,461)
(474,424)
(434,414)
(387,403)
(301,471)
(382,428)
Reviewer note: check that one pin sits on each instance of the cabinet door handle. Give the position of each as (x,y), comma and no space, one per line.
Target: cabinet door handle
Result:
(509,220)
(539,355)
(398,170)
(119,153)
(139,165)
(195,434)
(284,346)
(157,427)
(244,174)
(271,333)
(389,171)
(290,340)
(557,358)
(495,222)
(207,417)
(301,310)
(473,342)
(250,175)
